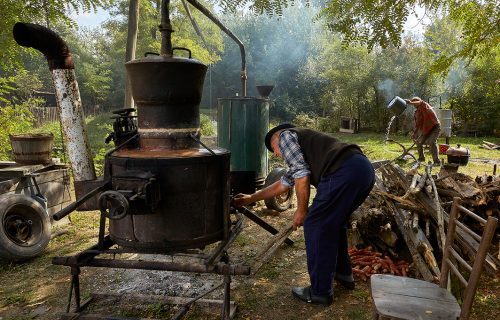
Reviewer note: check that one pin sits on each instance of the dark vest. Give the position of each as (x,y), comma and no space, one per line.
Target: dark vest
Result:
(324,153)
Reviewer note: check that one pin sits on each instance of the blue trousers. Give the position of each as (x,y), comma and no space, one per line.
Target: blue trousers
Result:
(325,227)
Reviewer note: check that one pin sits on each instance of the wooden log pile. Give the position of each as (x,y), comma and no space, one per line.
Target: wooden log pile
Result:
(406,215)
(490,145)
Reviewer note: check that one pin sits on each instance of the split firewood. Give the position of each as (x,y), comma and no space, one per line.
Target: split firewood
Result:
(456,184)
(490,145)
(401,200)
(411,238)
(439,211)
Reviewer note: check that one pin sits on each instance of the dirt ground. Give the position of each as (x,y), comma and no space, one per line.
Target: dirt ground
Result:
(38,290)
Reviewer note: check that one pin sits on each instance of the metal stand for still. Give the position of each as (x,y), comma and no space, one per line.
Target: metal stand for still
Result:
(279,237)
(214,262)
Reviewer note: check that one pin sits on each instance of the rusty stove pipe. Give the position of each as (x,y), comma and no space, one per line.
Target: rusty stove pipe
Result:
(60,61)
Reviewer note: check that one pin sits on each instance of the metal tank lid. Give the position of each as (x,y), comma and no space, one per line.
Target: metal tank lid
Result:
(156,58)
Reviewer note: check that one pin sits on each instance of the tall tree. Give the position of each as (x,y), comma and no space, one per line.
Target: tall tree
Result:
(277,49)
(380,23)
(148,38)
(133,29)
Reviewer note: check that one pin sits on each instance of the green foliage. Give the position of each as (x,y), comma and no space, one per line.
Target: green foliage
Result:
(5,88)
(328,124)
(368,22)
(14,119)
(260,6)
(477,105)
(96,81)
(111,43)
(276,50)
(18,87)
(206,126)
(55,129)
(97,129)
(15,102)
(381,23)
(305,121)
(470,87)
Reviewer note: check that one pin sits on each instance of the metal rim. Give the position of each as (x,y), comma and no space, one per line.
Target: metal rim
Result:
(284,197)
(23,226)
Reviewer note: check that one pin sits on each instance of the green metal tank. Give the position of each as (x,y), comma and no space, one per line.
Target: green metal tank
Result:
(242,124)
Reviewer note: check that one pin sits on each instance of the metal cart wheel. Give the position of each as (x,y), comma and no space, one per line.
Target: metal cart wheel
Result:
(24,229)
(283,201)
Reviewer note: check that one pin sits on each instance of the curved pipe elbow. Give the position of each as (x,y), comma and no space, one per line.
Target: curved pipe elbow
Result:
(50,44)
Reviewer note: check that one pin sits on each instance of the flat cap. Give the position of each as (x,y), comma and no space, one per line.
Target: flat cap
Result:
(269,135)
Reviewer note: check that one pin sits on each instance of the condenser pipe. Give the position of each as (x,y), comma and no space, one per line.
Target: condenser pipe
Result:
(60,61)
(243,72)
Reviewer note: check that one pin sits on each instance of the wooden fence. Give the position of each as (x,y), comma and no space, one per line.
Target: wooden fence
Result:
(45,115)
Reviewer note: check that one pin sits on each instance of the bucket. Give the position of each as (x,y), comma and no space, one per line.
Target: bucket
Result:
(397,105)
(32,148)
(443,148)
(444,116)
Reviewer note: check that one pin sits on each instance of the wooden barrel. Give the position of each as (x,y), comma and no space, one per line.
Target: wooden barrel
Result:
(32,148)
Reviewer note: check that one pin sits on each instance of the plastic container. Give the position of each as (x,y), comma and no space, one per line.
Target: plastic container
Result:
(443,148)
(445,117)
(32,148)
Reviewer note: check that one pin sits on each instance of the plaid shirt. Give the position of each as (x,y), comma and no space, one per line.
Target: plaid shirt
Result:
(425,118)
(290,150)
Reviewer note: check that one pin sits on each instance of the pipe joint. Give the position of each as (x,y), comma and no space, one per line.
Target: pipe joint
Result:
(51,45)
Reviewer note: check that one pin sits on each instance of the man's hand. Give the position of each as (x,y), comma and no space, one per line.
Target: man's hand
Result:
(241,200)
(419,138)
(416,137)
(298,218)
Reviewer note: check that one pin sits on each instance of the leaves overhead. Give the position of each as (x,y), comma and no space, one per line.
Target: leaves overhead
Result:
(44,12)
(258,6)
(381,22)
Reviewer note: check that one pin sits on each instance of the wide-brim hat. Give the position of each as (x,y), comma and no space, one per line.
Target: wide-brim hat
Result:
(415,100)
(269,135)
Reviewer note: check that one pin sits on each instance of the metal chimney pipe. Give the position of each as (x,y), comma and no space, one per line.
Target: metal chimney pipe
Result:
(166,29)
(60,61)
(243,72)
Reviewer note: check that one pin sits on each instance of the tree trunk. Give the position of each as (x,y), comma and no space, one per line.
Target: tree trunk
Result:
(133,27)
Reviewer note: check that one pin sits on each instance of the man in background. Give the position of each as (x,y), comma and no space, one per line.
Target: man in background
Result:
(427,129)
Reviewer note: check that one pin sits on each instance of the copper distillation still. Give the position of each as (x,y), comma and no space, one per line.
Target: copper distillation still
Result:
(163,191)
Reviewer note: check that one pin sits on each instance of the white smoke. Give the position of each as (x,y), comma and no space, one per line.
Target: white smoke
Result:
(388,89)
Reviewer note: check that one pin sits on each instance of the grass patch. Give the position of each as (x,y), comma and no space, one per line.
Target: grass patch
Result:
(272,272)
(15,298)
(375,148)
(361,295)
(37,280)
(357,314)
(98,127)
